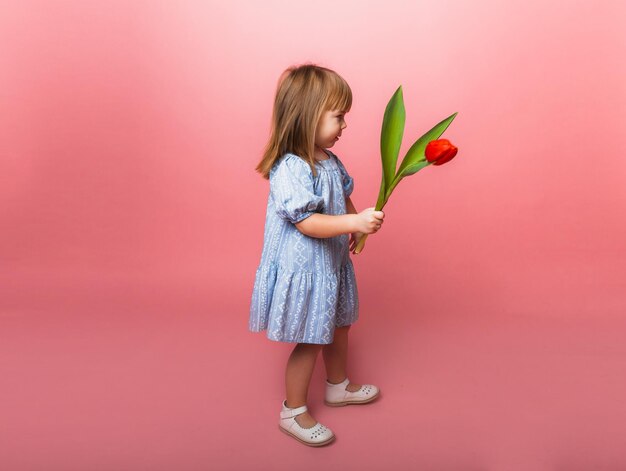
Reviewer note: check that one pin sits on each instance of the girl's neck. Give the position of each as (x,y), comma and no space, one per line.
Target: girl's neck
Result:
(321,154)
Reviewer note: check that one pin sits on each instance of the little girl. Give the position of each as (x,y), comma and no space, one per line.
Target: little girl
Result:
(305,288)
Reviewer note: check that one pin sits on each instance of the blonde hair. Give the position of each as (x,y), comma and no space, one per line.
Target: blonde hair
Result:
(303,94)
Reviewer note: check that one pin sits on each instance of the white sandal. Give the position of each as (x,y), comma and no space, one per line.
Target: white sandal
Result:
(317,435)
(338,395)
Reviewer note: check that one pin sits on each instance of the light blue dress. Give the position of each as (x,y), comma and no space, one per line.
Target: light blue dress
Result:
(304,286)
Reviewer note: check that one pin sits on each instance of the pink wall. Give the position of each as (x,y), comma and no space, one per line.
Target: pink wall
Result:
(129,132)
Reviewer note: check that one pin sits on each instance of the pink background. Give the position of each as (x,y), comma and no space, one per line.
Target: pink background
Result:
(493,300)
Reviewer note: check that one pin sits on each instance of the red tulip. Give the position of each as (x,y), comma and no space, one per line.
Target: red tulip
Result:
(440,151)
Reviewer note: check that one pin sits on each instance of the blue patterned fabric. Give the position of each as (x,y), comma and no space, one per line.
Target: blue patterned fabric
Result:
(304,286)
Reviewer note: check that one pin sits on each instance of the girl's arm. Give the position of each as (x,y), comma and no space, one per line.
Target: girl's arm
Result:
(357,224)
(325,225)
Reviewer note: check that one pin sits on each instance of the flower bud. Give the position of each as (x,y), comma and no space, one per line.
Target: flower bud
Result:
(440,151)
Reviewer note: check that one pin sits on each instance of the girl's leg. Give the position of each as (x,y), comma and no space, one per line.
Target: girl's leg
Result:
(298,377)
(336,357)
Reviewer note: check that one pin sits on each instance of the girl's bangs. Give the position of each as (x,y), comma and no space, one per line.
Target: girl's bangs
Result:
(341,96)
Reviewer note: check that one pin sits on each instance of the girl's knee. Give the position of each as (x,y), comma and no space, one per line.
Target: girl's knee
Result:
(310,346)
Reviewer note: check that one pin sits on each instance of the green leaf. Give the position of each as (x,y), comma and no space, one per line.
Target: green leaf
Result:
(408,171)
(415,156)
(391,138)
(381,195)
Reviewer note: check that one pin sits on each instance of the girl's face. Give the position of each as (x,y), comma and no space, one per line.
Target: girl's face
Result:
(329,128)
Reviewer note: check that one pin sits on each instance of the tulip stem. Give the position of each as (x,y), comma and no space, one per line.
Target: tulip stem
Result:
(361,243)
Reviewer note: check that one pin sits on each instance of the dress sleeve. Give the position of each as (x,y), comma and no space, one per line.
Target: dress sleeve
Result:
(348,181)
(291,187)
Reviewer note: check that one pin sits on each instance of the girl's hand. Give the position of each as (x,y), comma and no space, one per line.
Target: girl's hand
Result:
(355,237)
(369,221)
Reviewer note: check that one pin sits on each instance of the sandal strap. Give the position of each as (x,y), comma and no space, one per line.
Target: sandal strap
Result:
(286,414)
(342,385)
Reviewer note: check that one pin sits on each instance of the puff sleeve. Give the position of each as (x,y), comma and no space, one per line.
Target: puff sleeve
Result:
(348,181)
(291,187)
